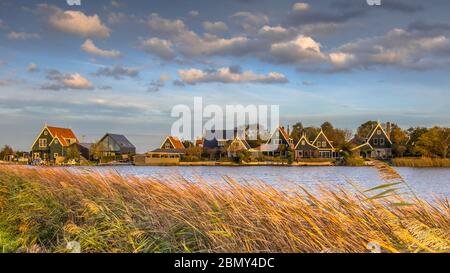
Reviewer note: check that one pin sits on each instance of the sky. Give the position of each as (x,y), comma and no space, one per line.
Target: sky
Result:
(121,66)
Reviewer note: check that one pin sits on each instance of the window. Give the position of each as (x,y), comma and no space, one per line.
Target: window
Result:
(221,143)
(55,155)
(56,141)
(324,144)
(381,141)
(318,144)
(45,133)
(375,141)
(276,141)
(42,143)
(303,142)
(167,145)
(378,132)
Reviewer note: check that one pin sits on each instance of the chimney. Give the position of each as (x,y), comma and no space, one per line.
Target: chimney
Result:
(288,131)
(388,128)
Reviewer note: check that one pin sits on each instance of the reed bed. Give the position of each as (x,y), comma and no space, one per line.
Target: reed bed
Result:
(42,209)
(421,162)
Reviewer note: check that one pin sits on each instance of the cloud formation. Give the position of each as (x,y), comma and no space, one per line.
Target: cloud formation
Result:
(117,72)
(158,47)
(60,81)
(32,67)
(228,75)
(89,47)
(22,36)
(75,22)
(215,27)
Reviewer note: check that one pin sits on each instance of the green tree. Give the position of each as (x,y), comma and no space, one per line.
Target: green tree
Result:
(5,152)
(72,153)
(435,142)
(365,128)
(414,134)
(297,131)
(187,144)
(399,140)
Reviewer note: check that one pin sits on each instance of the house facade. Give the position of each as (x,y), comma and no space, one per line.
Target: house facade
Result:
(278,143)
(325,146)
(305,149)
(115,145)
(376,145)
(237,146)
(52,143)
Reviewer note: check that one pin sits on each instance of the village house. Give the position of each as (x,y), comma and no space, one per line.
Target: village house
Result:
(237,146)
(216,142)
(277,145)
(85,150)
(52,143)
(170,152)
(325,146)
(377,144)
(305,149)
(115,146)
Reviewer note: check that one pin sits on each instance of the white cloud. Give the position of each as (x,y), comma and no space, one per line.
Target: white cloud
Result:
(22,36)
(62,81)
(75,22)
(215,27)
(250,21)
(227,75)
(300,7)
(166,27)
(341,59)
(302,48)
(32,67)
(159,47)
(193,13)
(89,47)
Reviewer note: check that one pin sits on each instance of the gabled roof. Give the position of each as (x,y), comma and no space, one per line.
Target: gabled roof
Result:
(375,129)
(307,142)
(362,145)
(244,142)
(175,141)
(59,133)
(121,140)
(282,133)
(322,133)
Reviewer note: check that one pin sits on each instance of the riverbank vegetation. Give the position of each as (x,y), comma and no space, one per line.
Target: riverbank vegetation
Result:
(42,209)
(421,162)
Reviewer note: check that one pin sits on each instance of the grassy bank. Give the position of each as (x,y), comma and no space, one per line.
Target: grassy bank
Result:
(421,162)
(42,209)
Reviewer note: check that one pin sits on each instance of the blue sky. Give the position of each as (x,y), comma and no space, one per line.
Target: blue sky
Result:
(120,66)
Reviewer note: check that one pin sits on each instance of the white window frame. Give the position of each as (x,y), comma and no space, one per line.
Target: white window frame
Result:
(43,143)
(381,141)
(375,141)
(303,142)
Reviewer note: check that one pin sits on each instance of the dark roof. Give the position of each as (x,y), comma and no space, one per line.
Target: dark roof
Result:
(121,140)
(86,145)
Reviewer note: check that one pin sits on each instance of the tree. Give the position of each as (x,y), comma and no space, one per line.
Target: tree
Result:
(399,140)
(187,144)
(297,131)
(365,128)
(72,153)
(435,142)
(6,152)
(194,151)
(414,134)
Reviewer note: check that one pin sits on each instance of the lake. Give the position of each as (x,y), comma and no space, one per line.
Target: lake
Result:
(424,181)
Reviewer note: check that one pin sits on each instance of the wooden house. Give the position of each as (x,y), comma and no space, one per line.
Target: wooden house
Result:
(377,144)
(51,144)
(237,145)
(325,146)
(115,145)
(305,149)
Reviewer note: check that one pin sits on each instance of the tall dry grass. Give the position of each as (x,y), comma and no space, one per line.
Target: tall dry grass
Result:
(421,162)
(44,208)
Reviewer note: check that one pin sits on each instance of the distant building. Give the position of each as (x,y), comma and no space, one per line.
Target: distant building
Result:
(216,142)
(170,152)
(305,149)
(113,145)
(325,146)
(52,143)
(85,150)
(377,144)
(237,145)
